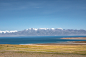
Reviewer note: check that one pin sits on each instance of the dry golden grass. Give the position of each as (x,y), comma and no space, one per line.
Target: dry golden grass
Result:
(73,49)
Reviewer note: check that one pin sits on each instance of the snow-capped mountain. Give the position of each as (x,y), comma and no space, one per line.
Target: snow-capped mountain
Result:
(44,32)
(8,31)
(43,29)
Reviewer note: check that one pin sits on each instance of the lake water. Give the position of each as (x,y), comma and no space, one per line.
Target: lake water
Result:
(36,39)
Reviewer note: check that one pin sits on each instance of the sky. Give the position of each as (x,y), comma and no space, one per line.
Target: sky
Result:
(24,14)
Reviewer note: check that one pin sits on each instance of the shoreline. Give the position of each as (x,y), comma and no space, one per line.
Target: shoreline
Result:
(63,43)
(66,43)
(79,38)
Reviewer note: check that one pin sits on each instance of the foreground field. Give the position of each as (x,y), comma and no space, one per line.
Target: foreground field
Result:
(77,50)
(34,54)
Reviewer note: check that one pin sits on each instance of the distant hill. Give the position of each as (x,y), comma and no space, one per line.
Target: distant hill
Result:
(45,32)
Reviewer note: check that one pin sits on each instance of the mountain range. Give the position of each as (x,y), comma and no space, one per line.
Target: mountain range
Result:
(44,32)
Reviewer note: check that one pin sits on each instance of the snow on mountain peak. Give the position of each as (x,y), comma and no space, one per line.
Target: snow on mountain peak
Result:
(43,29)
(8,31)
(60,28)
(52,28)
(35,29)
(26,29)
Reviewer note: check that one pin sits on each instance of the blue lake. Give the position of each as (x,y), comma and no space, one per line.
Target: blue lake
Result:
(36,39)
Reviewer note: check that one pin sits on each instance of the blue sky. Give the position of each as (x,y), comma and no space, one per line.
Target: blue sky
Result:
(23,14)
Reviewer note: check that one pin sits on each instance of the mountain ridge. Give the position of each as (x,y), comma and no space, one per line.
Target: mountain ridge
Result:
(46,32)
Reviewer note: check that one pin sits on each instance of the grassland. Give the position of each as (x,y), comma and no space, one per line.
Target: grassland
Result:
(57,49)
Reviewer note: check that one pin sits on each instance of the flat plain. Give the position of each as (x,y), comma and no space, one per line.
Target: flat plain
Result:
(38,50)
